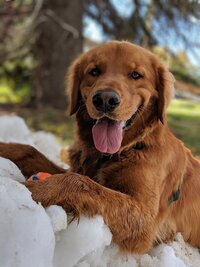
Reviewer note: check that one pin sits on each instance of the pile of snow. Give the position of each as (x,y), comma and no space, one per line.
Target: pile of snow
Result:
(32,236)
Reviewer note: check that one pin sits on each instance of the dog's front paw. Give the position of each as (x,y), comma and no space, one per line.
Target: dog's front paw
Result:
(53,190)
(41,192)
(59,189)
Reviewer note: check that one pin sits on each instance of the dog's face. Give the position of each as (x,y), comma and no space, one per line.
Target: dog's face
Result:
(117,82)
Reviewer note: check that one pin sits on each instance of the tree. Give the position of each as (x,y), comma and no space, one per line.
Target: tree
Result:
(148,22)
(52,32)
(59,40)
(151,24)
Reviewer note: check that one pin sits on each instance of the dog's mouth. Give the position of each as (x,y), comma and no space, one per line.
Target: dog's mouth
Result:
(108,134)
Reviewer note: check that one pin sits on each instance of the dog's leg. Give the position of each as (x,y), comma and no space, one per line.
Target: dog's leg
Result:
(28,159)
(131,221)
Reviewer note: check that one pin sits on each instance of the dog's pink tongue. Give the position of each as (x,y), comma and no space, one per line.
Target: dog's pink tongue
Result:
(107,135)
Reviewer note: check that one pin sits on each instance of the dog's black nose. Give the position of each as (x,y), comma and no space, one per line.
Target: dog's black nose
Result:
(106,100)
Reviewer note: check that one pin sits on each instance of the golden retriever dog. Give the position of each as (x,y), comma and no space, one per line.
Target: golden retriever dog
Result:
(126,164)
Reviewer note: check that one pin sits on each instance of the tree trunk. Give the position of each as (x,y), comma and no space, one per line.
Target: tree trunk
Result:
(59,40)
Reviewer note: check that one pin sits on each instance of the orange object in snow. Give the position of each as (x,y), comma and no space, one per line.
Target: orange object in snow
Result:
(39,176)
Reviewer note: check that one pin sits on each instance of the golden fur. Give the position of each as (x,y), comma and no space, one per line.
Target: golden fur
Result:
(131,188)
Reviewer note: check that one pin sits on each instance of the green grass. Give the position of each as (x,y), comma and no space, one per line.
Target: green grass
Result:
(184,120)
(56,123)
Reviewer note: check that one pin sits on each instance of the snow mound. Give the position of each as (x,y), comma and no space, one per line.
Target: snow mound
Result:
(13,129)
(27,238)
(48,145)
(80,239)
(58,218)
(10,170)
(32,236)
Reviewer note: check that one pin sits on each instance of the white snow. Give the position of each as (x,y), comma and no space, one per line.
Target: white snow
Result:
(14,129)
(58,218)
(26,235)
(47,144)
(80,239)
(32,236)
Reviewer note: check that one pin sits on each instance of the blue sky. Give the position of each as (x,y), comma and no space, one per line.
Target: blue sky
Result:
(171,39)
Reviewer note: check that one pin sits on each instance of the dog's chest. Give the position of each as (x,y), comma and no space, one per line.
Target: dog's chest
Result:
(113,171)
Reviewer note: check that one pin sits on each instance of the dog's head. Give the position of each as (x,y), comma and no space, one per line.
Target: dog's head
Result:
(117,82)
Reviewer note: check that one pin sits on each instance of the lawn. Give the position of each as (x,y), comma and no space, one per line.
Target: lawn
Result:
(184,120)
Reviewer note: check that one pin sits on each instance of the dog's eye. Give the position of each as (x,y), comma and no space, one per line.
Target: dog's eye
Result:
(95,72)
(136,75)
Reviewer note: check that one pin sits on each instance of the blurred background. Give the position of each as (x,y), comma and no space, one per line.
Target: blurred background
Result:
(40,38)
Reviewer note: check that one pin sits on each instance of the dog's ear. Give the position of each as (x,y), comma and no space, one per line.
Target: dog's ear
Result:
(165,87)
(73,87)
